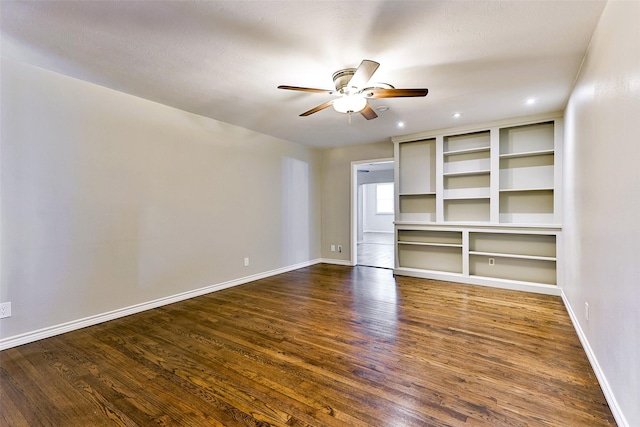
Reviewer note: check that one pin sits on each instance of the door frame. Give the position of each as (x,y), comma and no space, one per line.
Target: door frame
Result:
(354,203)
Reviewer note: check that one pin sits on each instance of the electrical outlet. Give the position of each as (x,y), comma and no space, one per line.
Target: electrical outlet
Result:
(5,310)
(246,262)
(333,248)
(492,261)
(586,311)
(340,248)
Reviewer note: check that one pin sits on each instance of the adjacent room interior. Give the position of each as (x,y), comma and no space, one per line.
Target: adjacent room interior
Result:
(374,215)
(320,213)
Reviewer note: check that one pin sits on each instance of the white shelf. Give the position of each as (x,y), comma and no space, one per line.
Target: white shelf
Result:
(484,194)
(446,245)
(466,151)
(507,190)
(468,173)
(421,272)
(527,154)
(437,237)
(431,193)
(503,255)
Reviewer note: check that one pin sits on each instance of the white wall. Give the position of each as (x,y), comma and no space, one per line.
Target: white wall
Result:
(372,221)
(602,205)
(109,200)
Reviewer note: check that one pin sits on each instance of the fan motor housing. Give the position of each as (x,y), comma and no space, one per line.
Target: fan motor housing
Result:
(341,78)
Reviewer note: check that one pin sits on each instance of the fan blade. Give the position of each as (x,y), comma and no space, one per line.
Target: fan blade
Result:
(363,73)
(305,89)
(368,112)
(316,109)
(395,93)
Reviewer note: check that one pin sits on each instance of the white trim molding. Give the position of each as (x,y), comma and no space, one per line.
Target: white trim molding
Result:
(346,262)
(73,325)
(602,379)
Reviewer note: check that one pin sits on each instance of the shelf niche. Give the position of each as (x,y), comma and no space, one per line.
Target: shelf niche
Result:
(418,172)
(417,207)
(467,210)
(525,173)
(430,250)
(534,245)
(467,154)
(417,181)
(469,142)
(527,207)
(527,139)
(526,182)
(517,269)
(466,186)
(521,257)
(433,237)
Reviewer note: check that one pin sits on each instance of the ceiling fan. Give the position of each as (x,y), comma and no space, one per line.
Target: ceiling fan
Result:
(352,91)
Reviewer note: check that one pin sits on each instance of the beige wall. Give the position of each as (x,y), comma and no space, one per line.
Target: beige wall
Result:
(602,204)
(336,193)
(109,200)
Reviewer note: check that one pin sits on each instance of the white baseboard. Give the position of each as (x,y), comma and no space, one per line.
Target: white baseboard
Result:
(602,379)
(73,325)
(513,285)
(336,261)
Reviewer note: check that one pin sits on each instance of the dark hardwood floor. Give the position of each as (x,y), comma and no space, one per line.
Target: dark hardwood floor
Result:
(320,346)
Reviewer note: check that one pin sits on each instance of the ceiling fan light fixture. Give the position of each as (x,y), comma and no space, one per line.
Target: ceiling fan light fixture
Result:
(353,92)
(349,104)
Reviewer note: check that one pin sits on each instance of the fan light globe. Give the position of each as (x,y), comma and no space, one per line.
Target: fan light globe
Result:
(349,104)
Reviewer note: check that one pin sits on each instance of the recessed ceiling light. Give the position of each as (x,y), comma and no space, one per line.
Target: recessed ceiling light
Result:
(456,115)
(400,124)
(382,108)
(531,101)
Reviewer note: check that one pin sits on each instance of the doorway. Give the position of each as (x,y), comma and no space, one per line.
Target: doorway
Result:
(372,203)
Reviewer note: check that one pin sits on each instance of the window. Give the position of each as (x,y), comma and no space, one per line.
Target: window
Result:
(384,198)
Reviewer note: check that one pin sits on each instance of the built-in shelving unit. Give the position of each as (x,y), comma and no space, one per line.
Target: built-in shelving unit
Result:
(477,203)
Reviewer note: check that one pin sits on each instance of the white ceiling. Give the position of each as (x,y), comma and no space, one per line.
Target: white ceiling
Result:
(224,59)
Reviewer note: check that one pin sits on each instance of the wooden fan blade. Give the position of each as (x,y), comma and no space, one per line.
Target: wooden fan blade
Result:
(368,112)
(316,109)
(395,93)
(305,89)
(363,73)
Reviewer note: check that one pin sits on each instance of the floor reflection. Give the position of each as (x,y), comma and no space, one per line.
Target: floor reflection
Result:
(375,302)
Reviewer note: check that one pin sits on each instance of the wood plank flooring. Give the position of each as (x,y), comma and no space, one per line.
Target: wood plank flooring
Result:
(320,346)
